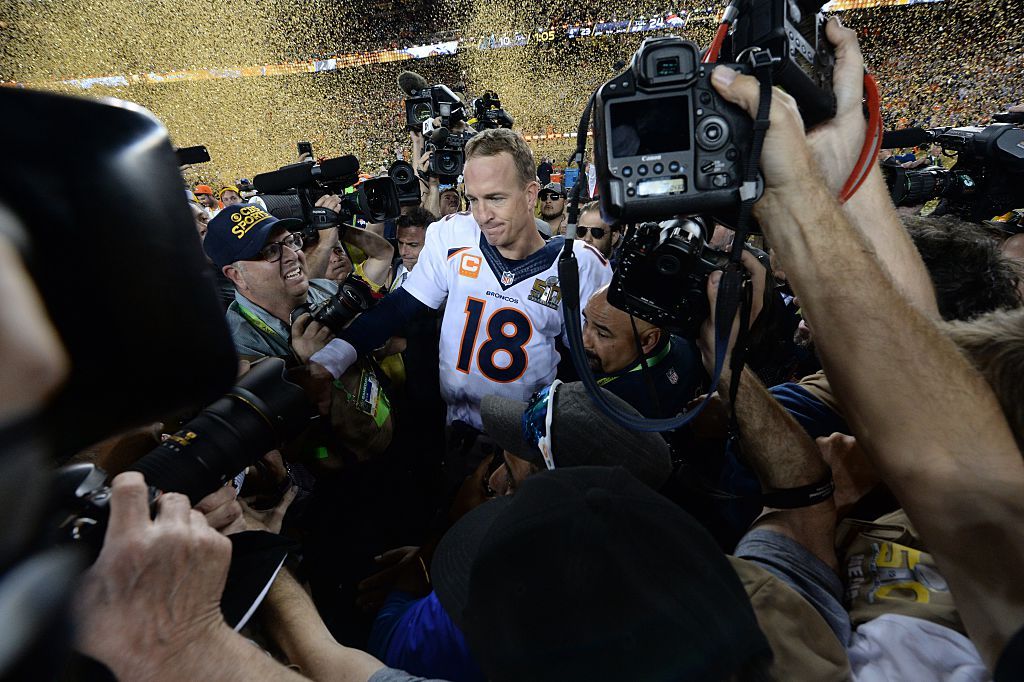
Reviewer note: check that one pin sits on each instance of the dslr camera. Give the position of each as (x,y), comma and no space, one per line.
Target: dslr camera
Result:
(663,272)
(987,179)
(665,142)
(353,298)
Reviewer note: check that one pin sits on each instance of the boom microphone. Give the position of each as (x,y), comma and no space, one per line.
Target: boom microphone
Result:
(304,174)
(339,167)
(412,83)
(908,137)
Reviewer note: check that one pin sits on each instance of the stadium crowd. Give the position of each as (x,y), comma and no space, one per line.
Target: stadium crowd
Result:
(462,511)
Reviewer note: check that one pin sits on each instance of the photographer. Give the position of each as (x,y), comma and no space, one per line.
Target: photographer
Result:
(667,383)
(265,262)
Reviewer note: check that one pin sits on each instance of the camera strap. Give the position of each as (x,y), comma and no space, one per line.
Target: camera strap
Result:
(761,62)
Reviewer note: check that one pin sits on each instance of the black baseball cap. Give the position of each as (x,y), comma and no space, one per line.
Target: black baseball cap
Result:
(585,574)
(581,435)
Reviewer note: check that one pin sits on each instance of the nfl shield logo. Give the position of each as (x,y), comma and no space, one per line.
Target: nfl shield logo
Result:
(507,278)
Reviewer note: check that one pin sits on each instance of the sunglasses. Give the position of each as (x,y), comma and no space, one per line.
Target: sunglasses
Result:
(272,251)
(537,421)
(598,232)
(551,197)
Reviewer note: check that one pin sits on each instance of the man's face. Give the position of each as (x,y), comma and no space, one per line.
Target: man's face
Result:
(607,336)
(410,243)
(275,284)
(501,205)
(591,220)
(551,205)
(207,200)
(230,198)
(510,475)
(450,202)
(201,219)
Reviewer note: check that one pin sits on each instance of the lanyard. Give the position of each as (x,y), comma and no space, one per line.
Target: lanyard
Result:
(651,362)
(255,321)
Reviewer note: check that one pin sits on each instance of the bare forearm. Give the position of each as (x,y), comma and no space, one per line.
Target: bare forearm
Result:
(297,628)
(871,213)
(929,422)
(774,444)
(378,253)
(870,336)
(222,655)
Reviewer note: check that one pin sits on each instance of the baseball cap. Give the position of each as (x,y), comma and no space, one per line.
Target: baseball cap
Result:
(585,574)
(552,187)
(239,232)
(204,189)
(227,188)
(581,435)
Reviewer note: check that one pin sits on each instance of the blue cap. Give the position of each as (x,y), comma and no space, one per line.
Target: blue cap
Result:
(239,232)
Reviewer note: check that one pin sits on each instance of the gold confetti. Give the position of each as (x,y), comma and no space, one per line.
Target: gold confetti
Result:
(948,63)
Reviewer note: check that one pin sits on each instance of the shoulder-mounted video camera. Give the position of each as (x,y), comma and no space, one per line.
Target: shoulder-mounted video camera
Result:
(292,190)
(986,180)
(431,102)
(488,113)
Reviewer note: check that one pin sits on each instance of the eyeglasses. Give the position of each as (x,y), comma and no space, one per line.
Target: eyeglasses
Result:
(537,421)
(598,232)
(272,251)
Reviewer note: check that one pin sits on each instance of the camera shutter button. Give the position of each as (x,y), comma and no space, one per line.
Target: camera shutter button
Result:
(712,133)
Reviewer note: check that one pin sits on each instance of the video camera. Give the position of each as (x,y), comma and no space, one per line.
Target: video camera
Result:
(488,112)
(987,179)
(449,151)
(292,190)
(406,183)
(425,102)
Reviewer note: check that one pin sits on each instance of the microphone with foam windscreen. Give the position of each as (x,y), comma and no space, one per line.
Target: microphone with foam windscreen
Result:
(305,174)
(908,137)
(412,83)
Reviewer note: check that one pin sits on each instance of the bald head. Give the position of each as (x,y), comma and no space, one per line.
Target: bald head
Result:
(608,336)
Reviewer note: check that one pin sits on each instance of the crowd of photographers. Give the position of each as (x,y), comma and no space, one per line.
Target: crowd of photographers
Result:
(845,506)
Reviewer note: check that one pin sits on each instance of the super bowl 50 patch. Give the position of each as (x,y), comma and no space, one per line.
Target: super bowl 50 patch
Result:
(546,292)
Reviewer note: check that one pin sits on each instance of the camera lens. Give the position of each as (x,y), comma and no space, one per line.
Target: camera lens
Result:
(401,175)
(668,265)
(448,163)
(422,112)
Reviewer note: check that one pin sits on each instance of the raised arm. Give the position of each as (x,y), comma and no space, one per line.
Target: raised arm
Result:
(928,420)
(379,253)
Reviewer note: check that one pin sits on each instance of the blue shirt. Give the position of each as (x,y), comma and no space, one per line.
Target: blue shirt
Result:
(416,635)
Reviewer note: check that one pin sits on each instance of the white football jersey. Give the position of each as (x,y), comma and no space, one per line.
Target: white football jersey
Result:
(502,317)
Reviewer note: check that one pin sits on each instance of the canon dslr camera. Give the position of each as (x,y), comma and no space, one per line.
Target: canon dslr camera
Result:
(666,143)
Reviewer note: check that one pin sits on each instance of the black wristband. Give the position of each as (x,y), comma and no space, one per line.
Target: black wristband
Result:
(803,496)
